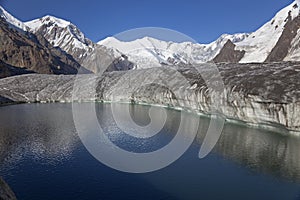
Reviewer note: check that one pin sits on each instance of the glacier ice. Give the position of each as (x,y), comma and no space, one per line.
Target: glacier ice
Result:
(265,94)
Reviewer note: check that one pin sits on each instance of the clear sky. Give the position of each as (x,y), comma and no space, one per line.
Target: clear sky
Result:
(203,20)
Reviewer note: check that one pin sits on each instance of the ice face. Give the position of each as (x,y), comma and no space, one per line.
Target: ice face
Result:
(255,93)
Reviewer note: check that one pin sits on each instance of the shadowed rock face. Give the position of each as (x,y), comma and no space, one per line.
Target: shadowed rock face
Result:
(281,49)
(257,93)
(102,59)
(31,53)
(228,54)
(7,70)
(5,192)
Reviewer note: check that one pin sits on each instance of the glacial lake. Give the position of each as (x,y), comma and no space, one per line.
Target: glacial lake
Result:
(42,157)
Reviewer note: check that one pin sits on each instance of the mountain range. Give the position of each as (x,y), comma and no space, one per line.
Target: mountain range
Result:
(56,46)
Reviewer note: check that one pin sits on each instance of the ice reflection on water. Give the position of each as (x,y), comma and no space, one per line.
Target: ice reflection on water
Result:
(43,136)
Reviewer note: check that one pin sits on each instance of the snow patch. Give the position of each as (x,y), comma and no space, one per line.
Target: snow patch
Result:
(12,20)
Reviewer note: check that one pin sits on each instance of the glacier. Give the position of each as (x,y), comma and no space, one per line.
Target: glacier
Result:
(264,95)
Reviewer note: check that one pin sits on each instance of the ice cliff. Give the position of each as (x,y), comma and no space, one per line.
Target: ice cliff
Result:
(264,94)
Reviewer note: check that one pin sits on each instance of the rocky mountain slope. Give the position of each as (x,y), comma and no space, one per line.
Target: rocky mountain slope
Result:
(7,70)
(277,40)
(23,52)
(26,51)
(65,35)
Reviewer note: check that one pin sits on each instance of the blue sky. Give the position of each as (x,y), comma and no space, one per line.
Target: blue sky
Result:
(202,20)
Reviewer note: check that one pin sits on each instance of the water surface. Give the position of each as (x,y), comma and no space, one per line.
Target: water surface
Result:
(42,157)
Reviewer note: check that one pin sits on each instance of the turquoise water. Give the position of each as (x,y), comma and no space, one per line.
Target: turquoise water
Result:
(42,157)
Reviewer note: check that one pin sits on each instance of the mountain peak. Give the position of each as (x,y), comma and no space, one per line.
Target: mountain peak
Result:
(62,33)
(58,21)
(47,20)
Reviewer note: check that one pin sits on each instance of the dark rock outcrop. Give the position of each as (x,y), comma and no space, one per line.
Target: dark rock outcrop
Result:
(228,54)
(281,49)
(5,192)
(5,101)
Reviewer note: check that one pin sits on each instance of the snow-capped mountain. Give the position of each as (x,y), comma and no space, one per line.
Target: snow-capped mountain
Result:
(58,32)
(260,43)
(150,52)
(22,52)
(14,22)
(277,40)
(63,34)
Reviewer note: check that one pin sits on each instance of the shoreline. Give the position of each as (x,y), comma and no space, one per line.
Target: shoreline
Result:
(263,98)
(269,127)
